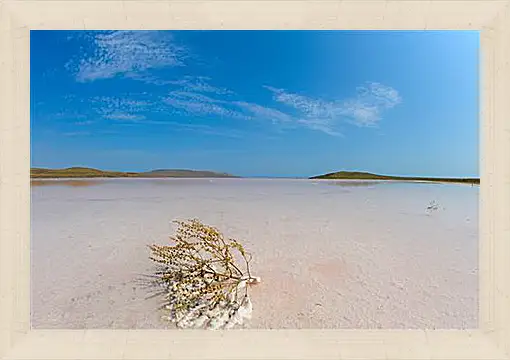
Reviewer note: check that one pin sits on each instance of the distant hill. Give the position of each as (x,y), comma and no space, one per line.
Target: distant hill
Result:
(184,173)
(76,172)
(357,175)
(84,172)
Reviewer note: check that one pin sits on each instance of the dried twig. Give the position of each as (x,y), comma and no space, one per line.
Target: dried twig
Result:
(433,206)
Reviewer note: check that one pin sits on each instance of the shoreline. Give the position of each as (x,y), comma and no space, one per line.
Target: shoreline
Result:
(91,178)
(91,173)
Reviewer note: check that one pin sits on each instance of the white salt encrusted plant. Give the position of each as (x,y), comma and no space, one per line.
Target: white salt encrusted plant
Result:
(205,286)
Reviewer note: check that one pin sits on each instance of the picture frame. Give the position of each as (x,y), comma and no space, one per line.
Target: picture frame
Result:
(490,341)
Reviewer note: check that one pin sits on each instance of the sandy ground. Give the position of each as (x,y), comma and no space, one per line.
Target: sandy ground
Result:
(330,254)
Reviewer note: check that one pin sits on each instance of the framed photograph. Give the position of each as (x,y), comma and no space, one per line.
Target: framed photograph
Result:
(255,179)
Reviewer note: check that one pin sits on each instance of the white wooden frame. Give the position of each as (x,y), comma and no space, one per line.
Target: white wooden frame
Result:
(491,341)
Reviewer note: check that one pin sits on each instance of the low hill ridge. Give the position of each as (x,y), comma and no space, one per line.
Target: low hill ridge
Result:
(359,175)
(85,172)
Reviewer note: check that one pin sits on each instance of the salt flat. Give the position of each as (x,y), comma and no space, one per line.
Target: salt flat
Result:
(331,254)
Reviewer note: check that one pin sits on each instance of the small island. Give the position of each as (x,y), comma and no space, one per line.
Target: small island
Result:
(85,172)
(356,175)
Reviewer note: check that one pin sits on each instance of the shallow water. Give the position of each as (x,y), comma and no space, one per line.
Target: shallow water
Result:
(331,254)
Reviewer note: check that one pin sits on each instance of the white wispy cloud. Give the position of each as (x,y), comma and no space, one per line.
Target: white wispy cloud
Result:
(263,112)
(123,116)
(193,96)
(363,109)
(190,99)
(127,52)
(202,107)
(320,125)
(371,101)
(312,108)
(199,84)
(119,108)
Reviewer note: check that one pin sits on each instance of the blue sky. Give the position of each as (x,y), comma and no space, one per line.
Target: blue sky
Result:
(256,103)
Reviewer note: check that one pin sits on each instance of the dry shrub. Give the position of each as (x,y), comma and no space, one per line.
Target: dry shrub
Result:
(206,287)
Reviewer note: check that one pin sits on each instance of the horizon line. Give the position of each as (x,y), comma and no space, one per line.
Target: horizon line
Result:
(259,176)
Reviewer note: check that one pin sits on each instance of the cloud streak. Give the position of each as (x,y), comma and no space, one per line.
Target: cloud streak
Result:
(191,100)
(120,108)
(203,107)
(124,116)
(364,109)
(263,112)
(199,84)
(116,53)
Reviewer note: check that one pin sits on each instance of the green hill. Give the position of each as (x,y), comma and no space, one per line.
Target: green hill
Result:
(76,172)
(84,172)
(357,175)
